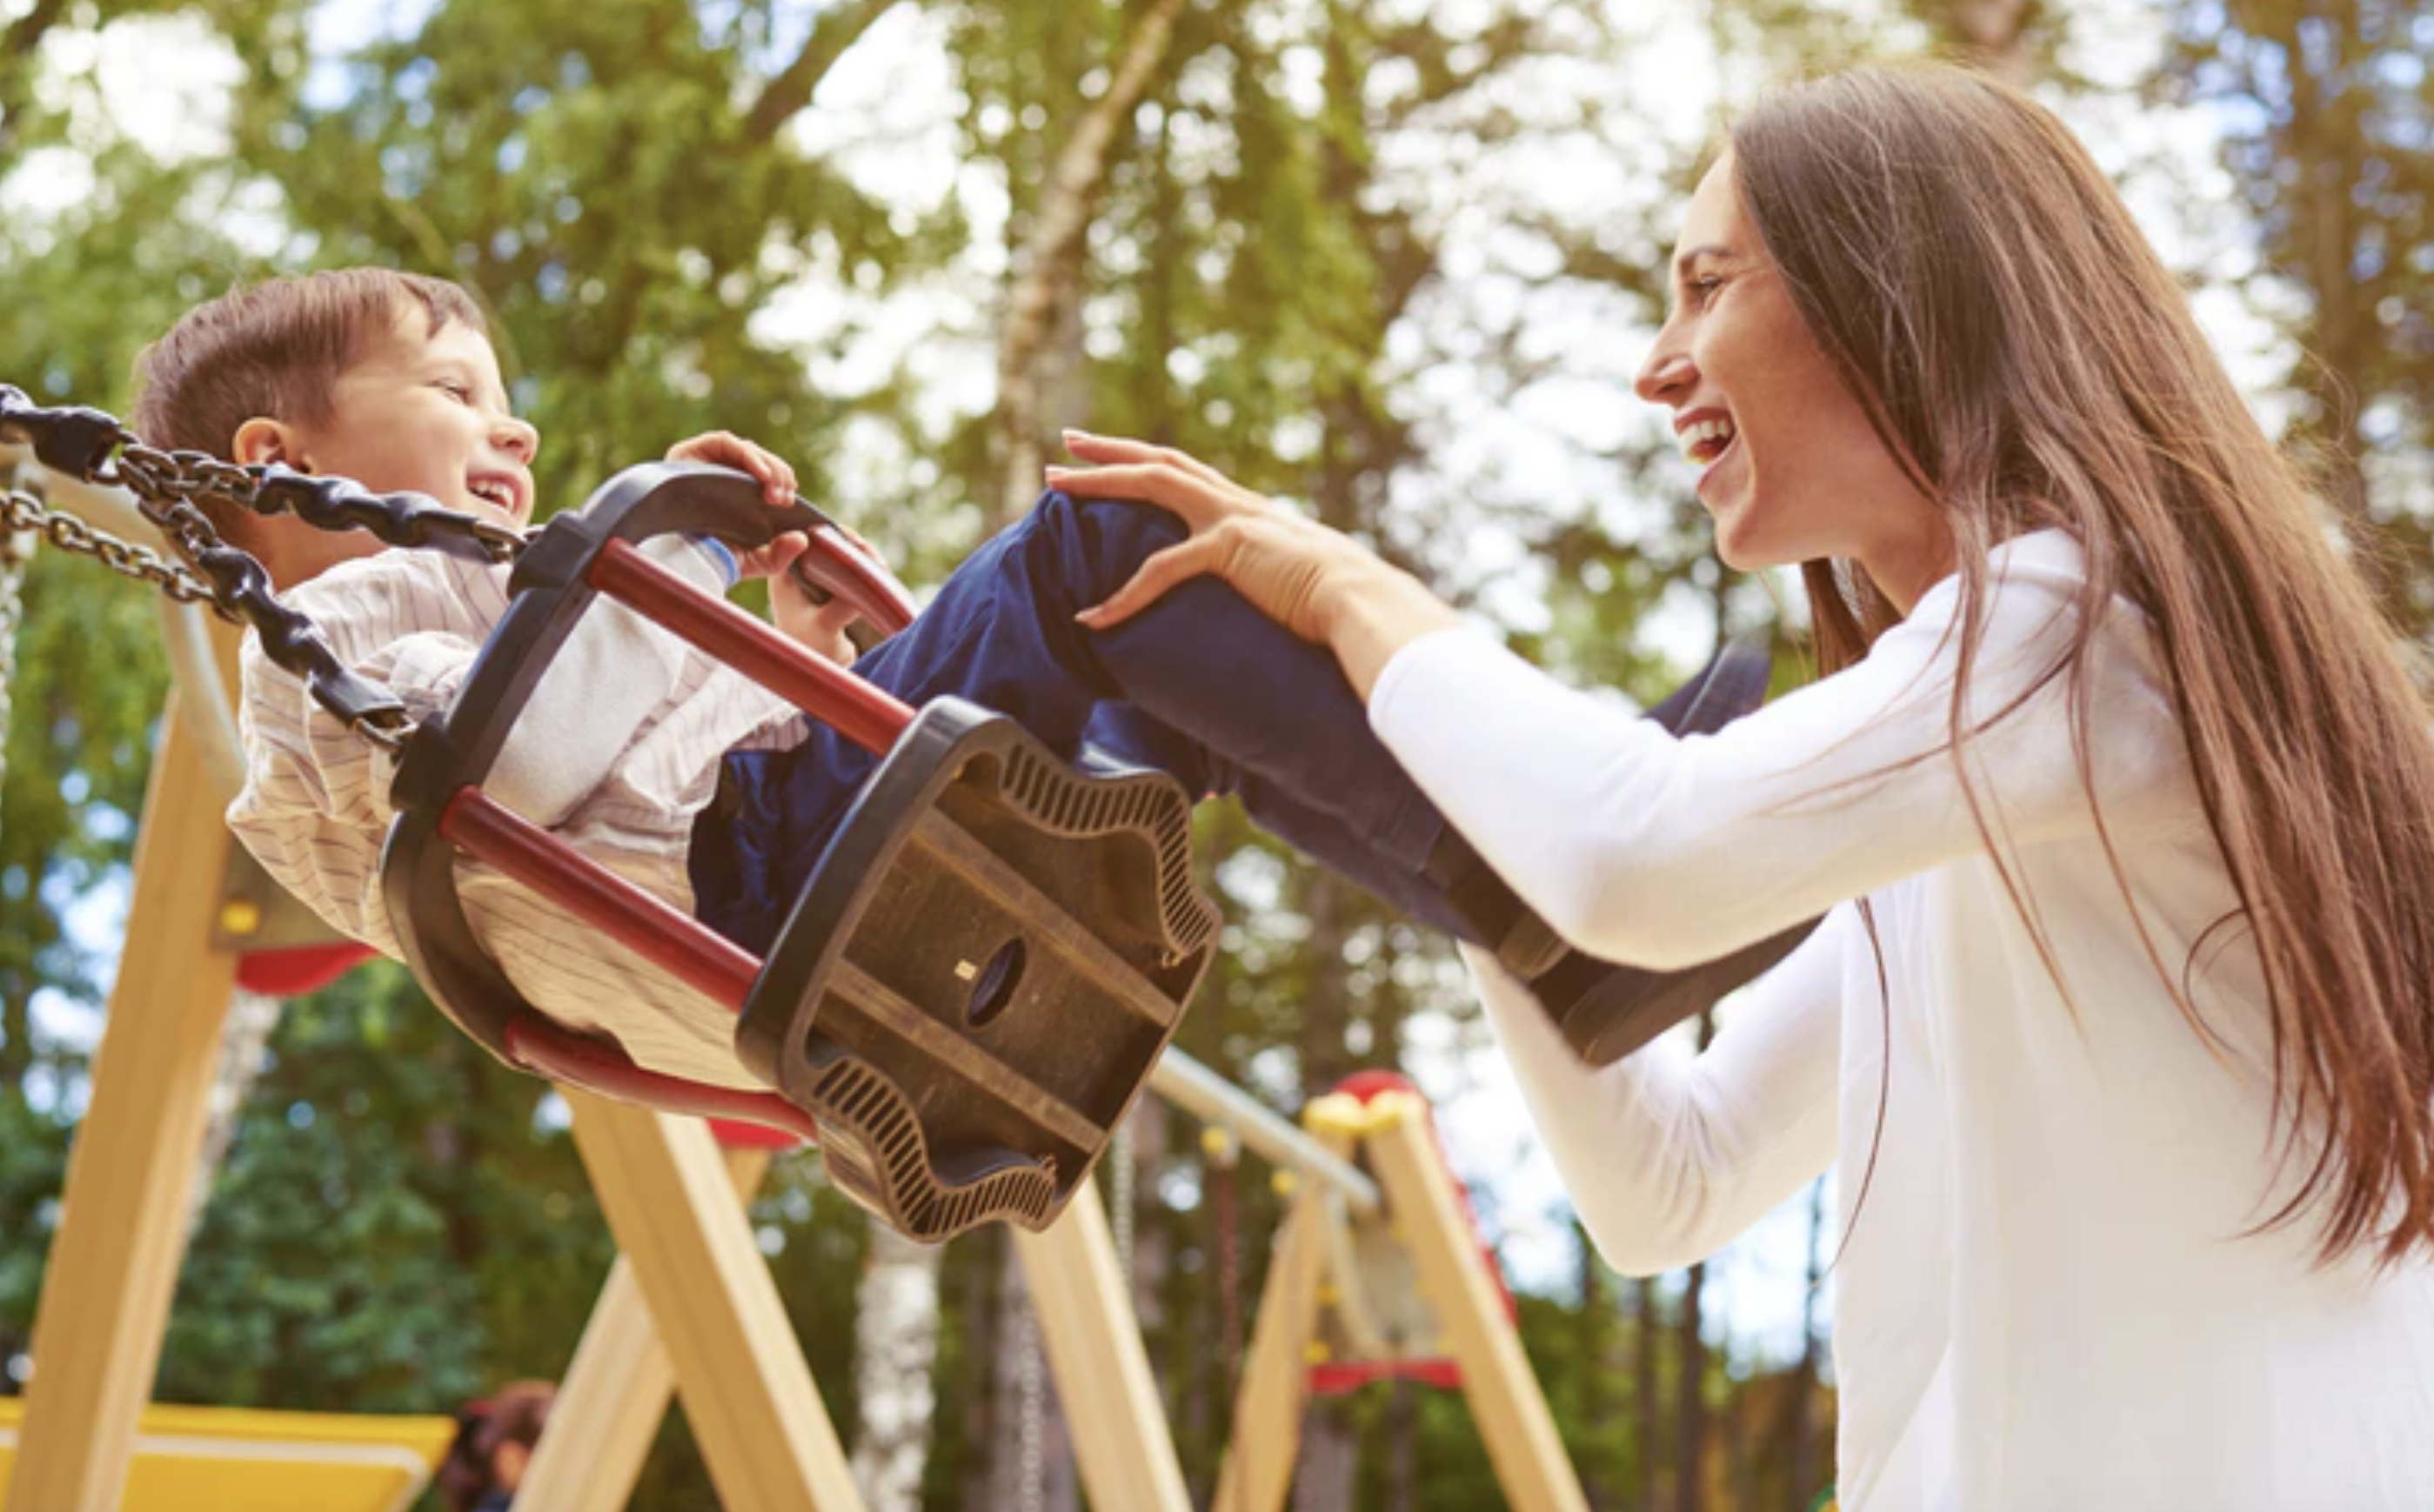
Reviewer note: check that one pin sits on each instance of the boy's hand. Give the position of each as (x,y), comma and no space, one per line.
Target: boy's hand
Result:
(821,626)
(726,449)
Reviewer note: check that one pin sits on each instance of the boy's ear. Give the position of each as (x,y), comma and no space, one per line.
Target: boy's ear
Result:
(263,439)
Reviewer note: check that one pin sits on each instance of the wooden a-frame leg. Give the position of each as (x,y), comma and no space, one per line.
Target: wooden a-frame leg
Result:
(1256,1474)
(739,1370)
(122,1231)
(1122,1443)
(1495,1378)
(615,1392)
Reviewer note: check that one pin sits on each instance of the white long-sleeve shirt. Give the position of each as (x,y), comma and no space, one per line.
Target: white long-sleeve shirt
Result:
(617,751)
(2047,1300)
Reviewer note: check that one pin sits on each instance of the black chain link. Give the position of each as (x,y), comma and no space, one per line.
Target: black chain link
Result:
(92,447)
(24,514)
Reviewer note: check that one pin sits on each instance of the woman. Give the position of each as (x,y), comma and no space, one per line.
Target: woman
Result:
(2115,797)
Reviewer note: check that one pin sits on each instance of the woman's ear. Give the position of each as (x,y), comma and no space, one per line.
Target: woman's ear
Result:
(262,440)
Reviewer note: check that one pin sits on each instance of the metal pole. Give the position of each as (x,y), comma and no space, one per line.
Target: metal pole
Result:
(1206,1095)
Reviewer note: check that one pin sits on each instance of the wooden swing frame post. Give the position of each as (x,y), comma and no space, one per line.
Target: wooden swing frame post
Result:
(1394,1130)
(113,1260)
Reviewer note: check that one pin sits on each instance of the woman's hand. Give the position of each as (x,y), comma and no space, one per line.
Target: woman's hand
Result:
(820,627)
(1317,583)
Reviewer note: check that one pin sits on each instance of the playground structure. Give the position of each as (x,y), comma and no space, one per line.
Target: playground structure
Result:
(190,1458)
(689,1306)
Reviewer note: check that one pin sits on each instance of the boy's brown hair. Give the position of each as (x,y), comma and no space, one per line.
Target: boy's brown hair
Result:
(276,351)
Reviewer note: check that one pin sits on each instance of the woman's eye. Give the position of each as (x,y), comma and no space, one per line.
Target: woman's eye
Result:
(1702,289)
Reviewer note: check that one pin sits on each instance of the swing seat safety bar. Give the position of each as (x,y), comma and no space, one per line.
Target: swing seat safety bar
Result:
(977,977)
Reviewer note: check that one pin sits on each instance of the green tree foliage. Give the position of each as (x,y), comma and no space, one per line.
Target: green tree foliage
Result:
(2328,125)
(1321,251)
(619,184)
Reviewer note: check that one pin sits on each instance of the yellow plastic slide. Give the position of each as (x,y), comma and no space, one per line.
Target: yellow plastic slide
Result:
(225,1459)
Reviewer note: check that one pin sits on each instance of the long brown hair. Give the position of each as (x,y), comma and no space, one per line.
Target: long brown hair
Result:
(2016,340)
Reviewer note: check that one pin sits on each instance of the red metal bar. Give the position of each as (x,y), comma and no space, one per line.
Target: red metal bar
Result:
(565,1057)
(673,941)
(828,693)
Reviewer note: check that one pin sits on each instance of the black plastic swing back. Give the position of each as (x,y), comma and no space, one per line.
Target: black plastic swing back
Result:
(990,957)
(977,977)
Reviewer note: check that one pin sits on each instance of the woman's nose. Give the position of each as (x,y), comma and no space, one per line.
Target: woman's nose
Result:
(1668,375)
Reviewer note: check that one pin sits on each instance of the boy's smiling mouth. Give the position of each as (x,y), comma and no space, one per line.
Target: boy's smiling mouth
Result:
(499,492)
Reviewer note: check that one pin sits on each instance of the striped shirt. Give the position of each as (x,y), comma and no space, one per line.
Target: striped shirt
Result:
(616,753)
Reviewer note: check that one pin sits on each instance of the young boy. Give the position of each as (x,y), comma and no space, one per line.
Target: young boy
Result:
(692,781)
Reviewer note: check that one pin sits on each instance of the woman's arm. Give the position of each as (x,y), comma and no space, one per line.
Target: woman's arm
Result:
(1664,854)
(1640,848)
(1670,1154)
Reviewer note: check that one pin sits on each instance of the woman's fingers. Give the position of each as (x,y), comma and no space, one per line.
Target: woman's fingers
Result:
(1198,502)
(1158,571)
(1281,571)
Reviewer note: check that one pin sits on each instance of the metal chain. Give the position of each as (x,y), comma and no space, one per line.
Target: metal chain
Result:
(24,514)
(92,446)
(16,553)
(1032,1403)
(1121,1170)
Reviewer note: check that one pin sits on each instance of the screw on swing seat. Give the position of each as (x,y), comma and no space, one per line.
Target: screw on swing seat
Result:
(977,978)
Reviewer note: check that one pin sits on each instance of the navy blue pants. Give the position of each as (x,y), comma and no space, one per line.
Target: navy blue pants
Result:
(1200,685)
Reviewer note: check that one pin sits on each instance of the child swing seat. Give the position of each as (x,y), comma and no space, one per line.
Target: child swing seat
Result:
(980,973)
(976,979)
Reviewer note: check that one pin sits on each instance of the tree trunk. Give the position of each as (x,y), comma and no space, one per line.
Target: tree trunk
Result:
(2323,156)
(1804,1381)
(1044,298)
(1325,1474)
(985,1403)
(1597,1344)
(1651,1394)
(1691,1414)
(1031,1451)
(1690,1494)
(1402,1448)
(895,1355)
(1329,1456)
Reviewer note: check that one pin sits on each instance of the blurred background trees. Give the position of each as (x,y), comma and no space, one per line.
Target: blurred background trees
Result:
(1395,260)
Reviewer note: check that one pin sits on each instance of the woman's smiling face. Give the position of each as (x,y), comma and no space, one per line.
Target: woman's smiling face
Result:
(1792,471)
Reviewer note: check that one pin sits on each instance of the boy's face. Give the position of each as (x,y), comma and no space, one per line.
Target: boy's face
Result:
(425,414)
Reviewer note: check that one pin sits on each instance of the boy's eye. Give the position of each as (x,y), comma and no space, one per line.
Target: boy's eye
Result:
(462,393)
